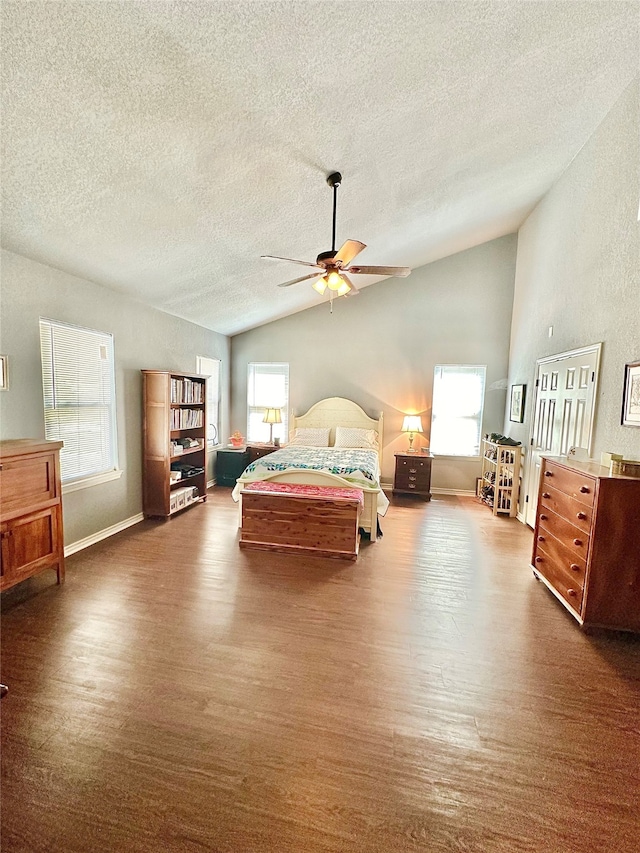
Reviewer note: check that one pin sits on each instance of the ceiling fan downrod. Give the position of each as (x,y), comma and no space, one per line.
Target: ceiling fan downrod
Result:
(334,180)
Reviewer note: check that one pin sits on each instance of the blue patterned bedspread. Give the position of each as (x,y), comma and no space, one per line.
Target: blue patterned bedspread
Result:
(356,465)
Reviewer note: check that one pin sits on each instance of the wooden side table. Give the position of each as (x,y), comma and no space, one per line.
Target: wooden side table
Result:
(413,474)
(257,451)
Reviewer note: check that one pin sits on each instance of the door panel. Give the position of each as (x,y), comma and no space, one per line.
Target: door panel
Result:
(563,419)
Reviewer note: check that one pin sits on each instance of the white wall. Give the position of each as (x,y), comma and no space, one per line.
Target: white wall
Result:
(143,338)
(380,347)
(578,270)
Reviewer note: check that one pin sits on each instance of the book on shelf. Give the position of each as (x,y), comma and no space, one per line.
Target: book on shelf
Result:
(186,418)
(186,391)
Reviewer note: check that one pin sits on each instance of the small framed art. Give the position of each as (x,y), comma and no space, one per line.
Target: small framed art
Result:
(516,409)
(4,372)
(631,395)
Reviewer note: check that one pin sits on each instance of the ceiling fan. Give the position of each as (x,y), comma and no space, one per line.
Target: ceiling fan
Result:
(331,267)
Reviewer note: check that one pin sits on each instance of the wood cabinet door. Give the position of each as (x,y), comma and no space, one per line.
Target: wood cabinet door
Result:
(29,543)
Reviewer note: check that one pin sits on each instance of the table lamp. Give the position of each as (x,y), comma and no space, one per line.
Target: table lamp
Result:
(412,424)
(271,417)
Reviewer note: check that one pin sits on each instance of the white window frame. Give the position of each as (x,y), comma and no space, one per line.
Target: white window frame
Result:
(455,371)
(211,368)
(62,378)
(257,402)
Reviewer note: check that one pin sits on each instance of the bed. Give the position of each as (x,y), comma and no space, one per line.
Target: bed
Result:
(345,468)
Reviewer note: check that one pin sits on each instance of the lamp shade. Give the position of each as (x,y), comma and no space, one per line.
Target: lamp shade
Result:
(412,423)
(272,416)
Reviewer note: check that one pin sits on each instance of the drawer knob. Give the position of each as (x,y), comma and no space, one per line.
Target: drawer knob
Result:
(574,567)
(584,490)
(581,516)
(411,486)
(572,593)
(543,517)
(546,495)
(539,559)
(540,538)
(577,542)
(412,479)
(413,470)
(548,473)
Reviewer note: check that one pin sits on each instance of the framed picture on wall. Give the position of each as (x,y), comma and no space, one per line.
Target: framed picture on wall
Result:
(4,372)
(631,395)
(516,409)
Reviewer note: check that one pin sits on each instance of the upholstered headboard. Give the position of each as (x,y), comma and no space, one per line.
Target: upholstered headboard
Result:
(337,411)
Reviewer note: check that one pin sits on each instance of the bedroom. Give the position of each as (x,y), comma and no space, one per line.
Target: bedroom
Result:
(569,260)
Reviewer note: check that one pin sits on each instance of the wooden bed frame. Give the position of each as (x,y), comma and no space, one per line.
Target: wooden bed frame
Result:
(333,412)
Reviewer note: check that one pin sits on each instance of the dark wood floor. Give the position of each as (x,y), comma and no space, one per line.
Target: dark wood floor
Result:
(178,694)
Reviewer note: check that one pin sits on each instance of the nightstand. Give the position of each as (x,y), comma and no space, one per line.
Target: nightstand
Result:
(257,451)
(230,463)
(413,474)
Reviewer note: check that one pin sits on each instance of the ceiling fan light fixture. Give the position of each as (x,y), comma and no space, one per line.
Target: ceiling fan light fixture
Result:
(344,288)
(335,280)
(320,285)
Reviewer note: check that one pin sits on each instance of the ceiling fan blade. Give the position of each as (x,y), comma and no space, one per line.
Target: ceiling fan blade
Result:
(296,280)
(401,272)
(347,252)
(291,261)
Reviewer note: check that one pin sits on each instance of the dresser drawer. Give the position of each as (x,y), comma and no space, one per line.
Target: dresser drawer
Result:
(568,562)
(569,508)
(563,583)
(569,535)
(414,487)
(572,483)
(413,464)
(259,452)
(27,481)
(407,480)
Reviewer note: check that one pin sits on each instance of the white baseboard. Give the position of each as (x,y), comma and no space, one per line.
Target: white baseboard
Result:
(210,484)
(102,534)
(388,487)
(465,493)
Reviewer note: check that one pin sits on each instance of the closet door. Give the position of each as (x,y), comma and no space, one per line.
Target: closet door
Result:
(563,413)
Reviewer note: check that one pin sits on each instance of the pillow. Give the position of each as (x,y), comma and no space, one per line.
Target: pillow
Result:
(311,437)
(354,437)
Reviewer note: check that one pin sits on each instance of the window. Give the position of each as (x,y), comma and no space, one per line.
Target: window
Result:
(210,367)
(456,414)
(267,387)
(79,400)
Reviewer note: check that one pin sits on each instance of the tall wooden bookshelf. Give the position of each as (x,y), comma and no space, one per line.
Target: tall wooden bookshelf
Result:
(175,417)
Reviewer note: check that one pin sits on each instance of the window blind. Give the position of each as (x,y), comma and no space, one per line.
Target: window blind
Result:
(79,397)
(456,413)
(267,387)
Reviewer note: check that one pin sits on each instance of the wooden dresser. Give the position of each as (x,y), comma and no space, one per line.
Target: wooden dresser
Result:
(586,545)
(30,510)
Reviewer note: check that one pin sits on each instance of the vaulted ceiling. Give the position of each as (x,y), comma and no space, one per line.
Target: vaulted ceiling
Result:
(159,149)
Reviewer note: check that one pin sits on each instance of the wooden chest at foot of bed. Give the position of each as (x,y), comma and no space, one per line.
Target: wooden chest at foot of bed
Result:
(297,518)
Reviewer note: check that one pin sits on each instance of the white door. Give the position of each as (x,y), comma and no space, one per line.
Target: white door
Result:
(563,415)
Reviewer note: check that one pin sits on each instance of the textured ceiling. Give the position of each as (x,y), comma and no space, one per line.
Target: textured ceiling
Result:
(160,148)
